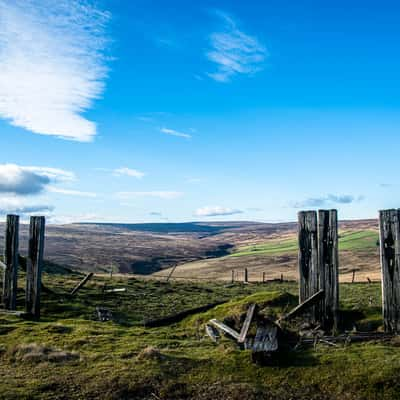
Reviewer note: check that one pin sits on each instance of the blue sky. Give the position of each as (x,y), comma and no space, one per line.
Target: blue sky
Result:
(219,110)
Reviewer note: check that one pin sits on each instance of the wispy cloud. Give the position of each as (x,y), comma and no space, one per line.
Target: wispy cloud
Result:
(18,205)
(21,180)
(233,51)
(166,195)
(124,171)
(70,192)
(214,211)
(173,132)
(52,65)
(330,199)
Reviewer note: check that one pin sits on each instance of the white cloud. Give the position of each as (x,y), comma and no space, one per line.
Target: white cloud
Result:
(22,180)
(128,172)
(18,205)
(175,133)
(330,199)
(233,51)
(166,195)
(214,211)
(52,65)
(70,192)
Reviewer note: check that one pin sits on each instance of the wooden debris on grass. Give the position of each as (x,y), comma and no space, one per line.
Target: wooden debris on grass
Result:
(212,333)
(81,283)
(224,328)
(103,314)
(246,324)
(115,290)
(311,301)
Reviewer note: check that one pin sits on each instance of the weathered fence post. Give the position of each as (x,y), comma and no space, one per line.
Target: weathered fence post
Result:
(328,266)
(308,254)
(389,232)
(353,276)
(11,262)
(263,277)
(34,265)
(246,276)
(233,276)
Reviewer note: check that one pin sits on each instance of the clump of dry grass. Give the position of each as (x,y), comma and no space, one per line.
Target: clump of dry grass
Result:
(150,353)
(36,353)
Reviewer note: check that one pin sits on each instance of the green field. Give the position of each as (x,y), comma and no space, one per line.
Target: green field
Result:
(70,355)
(358,240)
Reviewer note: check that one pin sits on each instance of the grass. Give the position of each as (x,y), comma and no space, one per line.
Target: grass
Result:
(354,240)
(75,356)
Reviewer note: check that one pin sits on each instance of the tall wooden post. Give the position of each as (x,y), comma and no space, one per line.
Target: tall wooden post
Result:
(233,276)
(11,262)
(328,266)
(34,265)
(308,256)
(389,231)
(246,276)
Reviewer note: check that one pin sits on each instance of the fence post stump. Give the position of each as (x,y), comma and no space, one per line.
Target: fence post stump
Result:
(34,265)
(308,256)
(11,262)
(389,233)
(328,266)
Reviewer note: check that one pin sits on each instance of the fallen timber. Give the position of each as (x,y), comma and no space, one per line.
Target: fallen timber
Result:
(348,338)
(311,301)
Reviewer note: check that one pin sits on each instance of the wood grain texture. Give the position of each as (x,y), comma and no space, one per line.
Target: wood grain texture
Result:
(224,328)
(266,338)
(247,322)
(310,302)
(34,265)
(10,276)
(328,267)
(389,231)
(308,254)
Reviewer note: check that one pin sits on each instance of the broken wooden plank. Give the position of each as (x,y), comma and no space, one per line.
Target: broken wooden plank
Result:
(314,299)
(81,283)
(224,328)
(246,324)
(10,276)
(115,290)
(266,338)
(212,333)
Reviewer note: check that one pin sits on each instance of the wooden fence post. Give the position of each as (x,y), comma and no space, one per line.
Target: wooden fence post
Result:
(389,232)
(246,276)
(34,265)
(308,256)
(233,276)
(11,262)
(328,266)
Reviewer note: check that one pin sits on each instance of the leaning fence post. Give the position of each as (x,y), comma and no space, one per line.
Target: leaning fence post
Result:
(308,255)
(10,276)
(328,266)
(34,265)
(389,233)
